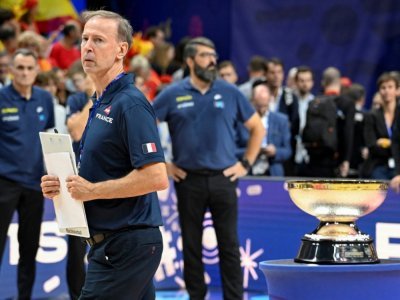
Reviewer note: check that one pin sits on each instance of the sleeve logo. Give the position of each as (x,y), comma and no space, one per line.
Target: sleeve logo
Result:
(149,148)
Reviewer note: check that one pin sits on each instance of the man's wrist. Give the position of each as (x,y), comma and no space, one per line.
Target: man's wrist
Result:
(246,164)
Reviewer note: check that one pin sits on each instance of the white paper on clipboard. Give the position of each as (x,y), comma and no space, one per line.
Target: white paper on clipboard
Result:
(60,161)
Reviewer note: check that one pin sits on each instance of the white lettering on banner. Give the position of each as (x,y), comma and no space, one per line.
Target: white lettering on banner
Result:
(384,232)
(51,284)
(52,245)
(14,245)
(104,118)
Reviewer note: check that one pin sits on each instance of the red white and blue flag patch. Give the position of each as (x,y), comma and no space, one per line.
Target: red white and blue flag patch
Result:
(149,148)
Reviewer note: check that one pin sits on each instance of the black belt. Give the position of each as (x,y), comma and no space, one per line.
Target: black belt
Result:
(99,237)
(205,172)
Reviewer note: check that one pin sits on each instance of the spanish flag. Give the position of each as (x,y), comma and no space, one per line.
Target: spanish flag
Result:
(50,14)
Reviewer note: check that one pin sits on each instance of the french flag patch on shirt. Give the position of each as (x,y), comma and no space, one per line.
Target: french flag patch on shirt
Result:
(149,148)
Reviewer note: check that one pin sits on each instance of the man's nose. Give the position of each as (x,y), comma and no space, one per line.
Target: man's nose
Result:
(87,47)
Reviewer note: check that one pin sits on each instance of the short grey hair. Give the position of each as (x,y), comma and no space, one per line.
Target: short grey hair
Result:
(139,62)
(125,30)
(191,46)
(24,52)
(330,76)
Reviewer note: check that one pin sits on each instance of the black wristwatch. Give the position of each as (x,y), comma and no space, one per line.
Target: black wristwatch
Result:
(246,164)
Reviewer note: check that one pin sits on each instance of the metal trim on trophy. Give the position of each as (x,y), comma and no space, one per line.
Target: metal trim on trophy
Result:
(337,204)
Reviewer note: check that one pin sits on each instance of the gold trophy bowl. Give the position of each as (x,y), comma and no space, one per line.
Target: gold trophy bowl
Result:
(337,204)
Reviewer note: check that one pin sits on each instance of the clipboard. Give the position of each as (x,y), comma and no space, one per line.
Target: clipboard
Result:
(59,159)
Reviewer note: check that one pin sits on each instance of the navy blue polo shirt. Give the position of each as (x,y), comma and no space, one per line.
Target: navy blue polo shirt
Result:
(75,103)
(21,158)
(122,136)
(203,127)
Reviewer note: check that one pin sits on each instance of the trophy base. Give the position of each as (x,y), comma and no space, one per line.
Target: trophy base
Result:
(336,252)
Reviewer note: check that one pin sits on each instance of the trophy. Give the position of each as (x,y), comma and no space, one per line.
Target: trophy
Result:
(337,204)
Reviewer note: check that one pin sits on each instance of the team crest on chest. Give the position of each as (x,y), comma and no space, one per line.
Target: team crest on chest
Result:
(107,110)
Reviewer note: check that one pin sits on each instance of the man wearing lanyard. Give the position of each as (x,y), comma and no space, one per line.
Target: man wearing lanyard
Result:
(202,113)
(121,168)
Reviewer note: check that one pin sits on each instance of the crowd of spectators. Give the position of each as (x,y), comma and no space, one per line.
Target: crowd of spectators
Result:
(357,142)
(364,136)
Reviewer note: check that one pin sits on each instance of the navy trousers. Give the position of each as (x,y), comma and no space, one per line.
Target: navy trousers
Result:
(196,194)
(76,269)
(123,265)
(29,205)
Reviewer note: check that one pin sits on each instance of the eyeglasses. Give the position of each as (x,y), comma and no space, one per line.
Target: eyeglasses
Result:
(208,55)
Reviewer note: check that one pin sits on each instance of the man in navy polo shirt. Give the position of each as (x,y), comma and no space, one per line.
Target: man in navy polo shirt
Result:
(78,106)
(25,110)
(121,168)
(202,113)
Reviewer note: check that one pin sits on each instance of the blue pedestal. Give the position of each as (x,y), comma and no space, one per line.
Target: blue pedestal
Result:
(288,280)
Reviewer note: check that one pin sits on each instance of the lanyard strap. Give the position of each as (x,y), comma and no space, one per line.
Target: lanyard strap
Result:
(389,131)
(92,113)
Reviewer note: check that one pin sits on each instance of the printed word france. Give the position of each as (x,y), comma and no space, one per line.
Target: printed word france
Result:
(104,118)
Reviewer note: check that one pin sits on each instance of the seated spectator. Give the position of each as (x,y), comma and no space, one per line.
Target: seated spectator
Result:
(227,71)
(27,20)
(275,148)
(155,35)
(161,59)
(379,125)
(178,63)
(8,19)
(77,81)
(140,66)
(65,52)
(62,92)
(35,42)
(8,39)
(48,81)
(5,75)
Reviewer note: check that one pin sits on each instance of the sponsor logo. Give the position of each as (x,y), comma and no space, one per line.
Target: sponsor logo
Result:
(10,118)
(39,109)
(184,105)
(184,98)
(104,118)
(9,110)
(217,97)
(219,104)
(73,231)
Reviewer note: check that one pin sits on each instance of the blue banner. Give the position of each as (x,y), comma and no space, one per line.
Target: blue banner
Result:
(360,38)
(270,227)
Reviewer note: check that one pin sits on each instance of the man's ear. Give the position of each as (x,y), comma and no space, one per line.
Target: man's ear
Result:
(122,50)
(189,62)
